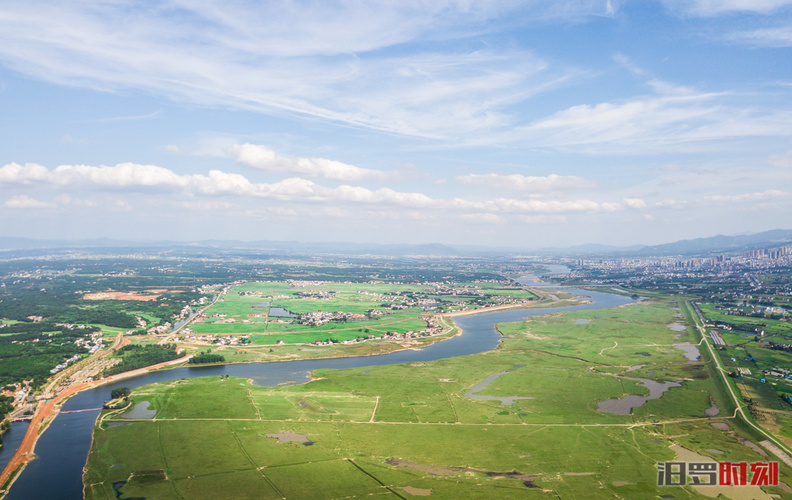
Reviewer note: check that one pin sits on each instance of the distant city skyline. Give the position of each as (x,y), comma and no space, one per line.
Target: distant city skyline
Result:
(515,124)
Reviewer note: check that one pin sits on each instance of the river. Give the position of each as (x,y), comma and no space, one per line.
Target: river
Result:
(62,450)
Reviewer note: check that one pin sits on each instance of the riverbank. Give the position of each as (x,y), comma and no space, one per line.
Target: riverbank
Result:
(525,305)
(45,414)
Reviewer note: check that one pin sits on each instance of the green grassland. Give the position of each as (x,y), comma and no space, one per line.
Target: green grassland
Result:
(399,430)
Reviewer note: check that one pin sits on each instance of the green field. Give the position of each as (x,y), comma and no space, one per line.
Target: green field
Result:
(406,430)
(256,308)
(769,325)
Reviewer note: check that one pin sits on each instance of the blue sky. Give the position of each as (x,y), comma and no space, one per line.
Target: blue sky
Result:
(504,123)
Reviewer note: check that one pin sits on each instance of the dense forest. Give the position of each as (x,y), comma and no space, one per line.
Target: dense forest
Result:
(28,351)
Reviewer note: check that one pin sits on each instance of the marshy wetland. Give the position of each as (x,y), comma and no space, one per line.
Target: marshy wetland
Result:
(523,419)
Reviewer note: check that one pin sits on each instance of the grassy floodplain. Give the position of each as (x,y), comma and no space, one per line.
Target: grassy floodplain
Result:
(422,428)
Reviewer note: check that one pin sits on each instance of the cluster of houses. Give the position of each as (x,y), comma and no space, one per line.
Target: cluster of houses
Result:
(66,363)
(316,294)
(209,338)
(779,372)
(155,330)
(18,391)
(305,283)
(93,344)
(432,329)
(752,310)
(320,317)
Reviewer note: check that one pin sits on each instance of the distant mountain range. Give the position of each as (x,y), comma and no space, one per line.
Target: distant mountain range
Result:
(698,246)
(719,244)
(7,243)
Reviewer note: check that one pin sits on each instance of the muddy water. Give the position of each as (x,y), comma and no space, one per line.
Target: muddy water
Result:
(691,351)
(624,405)
(140,412)
(504,400)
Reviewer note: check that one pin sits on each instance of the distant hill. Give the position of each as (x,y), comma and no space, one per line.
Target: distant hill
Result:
(7,243)
(698,246)
(722,244)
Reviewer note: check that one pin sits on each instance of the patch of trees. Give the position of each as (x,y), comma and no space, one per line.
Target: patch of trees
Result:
(136,356)
(207,358)
(26,361)
(5,408)
(43,330)
(120,392)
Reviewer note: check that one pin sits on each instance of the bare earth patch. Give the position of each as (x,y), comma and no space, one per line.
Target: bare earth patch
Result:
(750,444)
(119,296)
(435,470)
(732,492)
(288,437)
(723,426)
(439,470)
(419,492)
(621,483)
(777,452)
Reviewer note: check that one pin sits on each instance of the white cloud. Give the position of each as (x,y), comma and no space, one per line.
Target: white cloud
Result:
(66,199)
(781,161)
(716,7)
(24,202)
(509,205)
(27,174)
(332,67)
(634,202)
(769,195)
(154,180)
(487,218)
(776,36)
(264,158)
(671,203)
(528,184)
(652,124)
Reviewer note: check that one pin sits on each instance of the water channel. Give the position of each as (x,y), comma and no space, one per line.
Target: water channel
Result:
(63,448)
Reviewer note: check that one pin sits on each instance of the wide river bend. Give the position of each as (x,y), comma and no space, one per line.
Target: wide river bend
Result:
(63,448)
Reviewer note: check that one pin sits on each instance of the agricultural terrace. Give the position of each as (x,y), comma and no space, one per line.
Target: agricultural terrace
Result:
(304,311)
(523,421)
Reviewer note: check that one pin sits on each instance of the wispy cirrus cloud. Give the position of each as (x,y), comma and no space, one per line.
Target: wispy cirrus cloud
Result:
(654,123)
(772,36)
(708,8)
(333,67)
